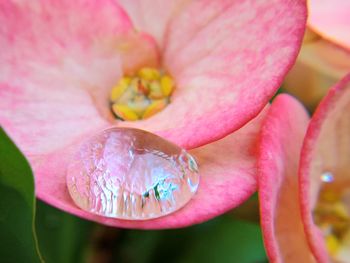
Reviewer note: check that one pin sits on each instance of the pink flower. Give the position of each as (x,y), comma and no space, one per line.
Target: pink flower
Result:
(300,217)
(325,54)
(60,59)
(330,19)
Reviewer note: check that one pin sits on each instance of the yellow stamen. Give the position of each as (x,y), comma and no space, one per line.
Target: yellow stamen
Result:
(124,112)
(329,196)
(139,104)
(341,211)
(167,85)
(332,244)
(149,74)
(142,95)
(120,88)
(155,107)
(332,216)
(156,91)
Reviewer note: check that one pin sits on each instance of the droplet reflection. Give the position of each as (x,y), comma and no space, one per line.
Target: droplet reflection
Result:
(131,174)
(327,177)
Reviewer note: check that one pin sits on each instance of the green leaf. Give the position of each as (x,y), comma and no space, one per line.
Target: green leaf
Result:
(222,239)
(63,238)
(18,241)
(139,246)
(227,240)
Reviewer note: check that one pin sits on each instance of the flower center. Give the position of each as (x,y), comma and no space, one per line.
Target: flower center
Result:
(332,215)
(142,95)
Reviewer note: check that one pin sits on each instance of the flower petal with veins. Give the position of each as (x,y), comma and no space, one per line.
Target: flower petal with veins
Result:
(282,134)
(57,71)
(326,146)
(153,16)
(227,79)
(227,58)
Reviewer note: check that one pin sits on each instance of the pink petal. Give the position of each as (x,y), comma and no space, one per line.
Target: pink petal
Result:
(320,65)
(228,177)
(331,19)
(58,62)
(228,59)
(326,146)
(280,143)
(39,27)
(152,16)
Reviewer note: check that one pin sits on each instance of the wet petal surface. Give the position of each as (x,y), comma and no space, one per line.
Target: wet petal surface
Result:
(228,177)
(131,174)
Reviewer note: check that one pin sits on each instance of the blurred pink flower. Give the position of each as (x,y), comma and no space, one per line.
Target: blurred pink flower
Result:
(325,54)
(60,59)
(319,152)
(330,19)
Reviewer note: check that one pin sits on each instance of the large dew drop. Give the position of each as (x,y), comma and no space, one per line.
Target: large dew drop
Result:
(131,174)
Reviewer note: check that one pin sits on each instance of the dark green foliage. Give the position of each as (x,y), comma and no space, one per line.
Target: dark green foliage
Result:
(17,205)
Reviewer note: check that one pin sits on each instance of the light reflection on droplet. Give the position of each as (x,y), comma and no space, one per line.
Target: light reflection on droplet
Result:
(131,174)
(327,177)
(332,215)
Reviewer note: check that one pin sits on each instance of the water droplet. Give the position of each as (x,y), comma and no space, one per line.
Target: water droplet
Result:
(131,174)
(332,214)
(327,177)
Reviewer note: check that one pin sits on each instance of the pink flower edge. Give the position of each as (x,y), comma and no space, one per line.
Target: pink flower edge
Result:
(281,138)
(328,124)
(330,19)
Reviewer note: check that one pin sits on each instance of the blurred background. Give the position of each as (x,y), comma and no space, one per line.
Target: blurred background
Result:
(320,64)
(234,237)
